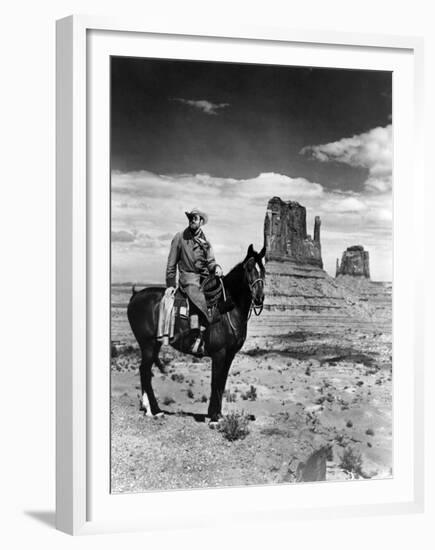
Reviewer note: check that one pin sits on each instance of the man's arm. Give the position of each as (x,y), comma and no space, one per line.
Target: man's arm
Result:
(213,267)
(171,267)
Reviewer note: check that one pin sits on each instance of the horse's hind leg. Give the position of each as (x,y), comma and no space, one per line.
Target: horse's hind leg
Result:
(156,358)
(148,400)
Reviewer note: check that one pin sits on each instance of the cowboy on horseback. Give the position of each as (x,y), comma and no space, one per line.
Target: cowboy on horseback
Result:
(193,254)
(244,289)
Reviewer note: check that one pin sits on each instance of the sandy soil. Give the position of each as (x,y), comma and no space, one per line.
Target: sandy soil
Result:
(311,389)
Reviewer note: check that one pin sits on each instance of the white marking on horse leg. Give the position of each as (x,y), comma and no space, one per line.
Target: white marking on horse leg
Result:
(146,404)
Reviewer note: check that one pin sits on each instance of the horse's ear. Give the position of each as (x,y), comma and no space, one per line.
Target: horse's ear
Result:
(250,251)
(262,252)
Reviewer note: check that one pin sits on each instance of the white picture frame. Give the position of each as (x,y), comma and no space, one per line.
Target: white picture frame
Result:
(82,503)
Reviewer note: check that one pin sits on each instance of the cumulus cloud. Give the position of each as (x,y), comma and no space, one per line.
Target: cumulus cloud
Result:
(123,237)
(151,208)
(371,150)
(165,237)
(343,205)
(145,185)
(203,105)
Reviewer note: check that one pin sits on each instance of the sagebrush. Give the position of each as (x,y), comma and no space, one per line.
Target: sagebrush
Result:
(251,394)
(351,461)
(234,425)
(168,400)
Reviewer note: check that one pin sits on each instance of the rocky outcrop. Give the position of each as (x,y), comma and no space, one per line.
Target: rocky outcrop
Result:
(355,262)
(285,234)
(298,290)
(377,295)
(295,278)
(353,275)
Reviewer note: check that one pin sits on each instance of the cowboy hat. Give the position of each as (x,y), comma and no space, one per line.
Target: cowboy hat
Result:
(198,212)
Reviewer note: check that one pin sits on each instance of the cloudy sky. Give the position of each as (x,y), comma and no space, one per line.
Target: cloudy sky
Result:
(228,137)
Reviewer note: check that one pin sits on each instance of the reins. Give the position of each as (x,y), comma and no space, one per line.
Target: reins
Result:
(257,309)
(228,313)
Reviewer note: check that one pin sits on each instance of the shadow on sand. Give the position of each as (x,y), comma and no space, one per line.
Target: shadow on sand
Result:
(198,417)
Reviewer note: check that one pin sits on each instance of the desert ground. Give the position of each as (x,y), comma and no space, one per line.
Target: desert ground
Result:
(309,392)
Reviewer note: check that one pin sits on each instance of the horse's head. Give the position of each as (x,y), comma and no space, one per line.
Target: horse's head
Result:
(254,274)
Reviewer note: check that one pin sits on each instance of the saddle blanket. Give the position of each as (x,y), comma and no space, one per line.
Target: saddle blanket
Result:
(173,314)
(172,306)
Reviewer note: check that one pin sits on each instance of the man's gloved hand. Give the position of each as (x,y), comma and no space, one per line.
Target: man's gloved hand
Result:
(170,290)
(218,271)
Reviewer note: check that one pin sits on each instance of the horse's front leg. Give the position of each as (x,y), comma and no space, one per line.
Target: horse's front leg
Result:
(217,368)
(221,362)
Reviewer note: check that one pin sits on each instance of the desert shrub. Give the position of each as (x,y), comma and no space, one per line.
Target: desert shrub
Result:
(120,349)
(234,425)
(190,393)
(369,431)
(251,394)
(168,400)
(204,399)
(351,461)
(230,397)
(177,377)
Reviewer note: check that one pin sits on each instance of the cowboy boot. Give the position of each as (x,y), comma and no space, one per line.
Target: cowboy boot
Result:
(198,347)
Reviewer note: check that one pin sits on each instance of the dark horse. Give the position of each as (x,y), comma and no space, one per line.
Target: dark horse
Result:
(244,285)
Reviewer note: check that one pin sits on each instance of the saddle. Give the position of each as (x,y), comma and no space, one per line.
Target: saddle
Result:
(212,289)
(175,309)
(215,295)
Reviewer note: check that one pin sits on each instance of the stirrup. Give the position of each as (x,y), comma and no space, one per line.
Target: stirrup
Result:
(197,345)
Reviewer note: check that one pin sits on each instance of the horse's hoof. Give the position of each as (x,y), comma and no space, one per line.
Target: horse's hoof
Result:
(149,414)
(214,423)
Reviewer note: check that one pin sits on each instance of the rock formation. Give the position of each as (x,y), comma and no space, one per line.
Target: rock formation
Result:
(355,262)
(299,292)
(285,234)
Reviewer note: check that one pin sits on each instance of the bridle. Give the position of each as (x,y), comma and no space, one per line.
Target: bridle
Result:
(252,306)
(257,309)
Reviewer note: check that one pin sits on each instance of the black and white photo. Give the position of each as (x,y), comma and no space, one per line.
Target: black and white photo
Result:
(251,274)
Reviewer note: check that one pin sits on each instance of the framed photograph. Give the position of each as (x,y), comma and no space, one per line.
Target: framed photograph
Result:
(238,275)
